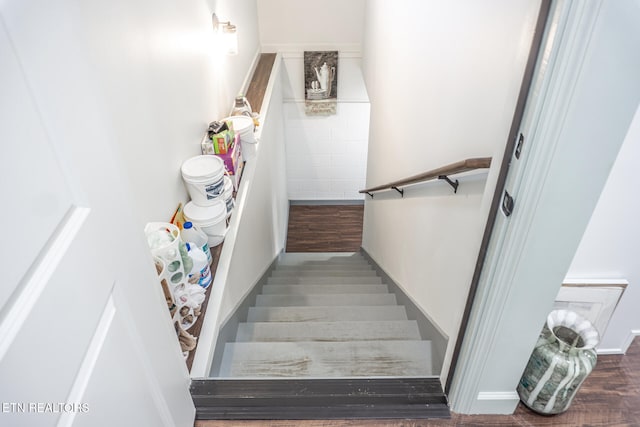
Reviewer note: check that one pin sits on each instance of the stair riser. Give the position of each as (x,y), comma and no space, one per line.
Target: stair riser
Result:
(324,289)
(323,273)
(330,267)
(325,314)
(293,258)
(324,300)
(324,280)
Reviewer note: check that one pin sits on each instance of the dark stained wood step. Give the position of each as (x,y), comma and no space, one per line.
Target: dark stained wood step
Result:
(295,399)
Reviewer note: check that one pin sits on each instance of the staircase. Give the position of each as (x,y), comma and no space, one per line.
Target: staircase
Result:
(324,339)
(326,315)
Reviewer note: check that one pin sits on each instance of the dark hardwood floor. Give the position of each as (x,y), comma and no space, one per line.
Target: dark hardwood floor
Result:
(322,228)
(610,396)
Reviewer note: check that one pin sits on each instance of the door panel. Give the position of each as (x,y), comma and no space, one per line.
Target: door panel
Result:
(121,378)
(36,194)
(83,322)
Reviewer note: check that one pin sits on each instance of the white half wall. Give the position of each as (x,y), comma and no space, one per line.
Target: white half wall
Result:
(160,80)
(258,226)
(295,25)
(443,79)
(609,246)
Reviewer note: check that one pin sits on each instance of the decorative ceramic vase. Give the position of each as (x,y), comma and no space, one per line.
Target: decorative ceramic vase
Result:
(563,357)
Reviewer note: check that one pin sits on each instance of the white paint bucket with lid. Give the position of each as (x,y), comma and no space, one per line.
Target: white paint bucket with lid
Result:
(244,126)
(204,178)
(211,219)
(228,195)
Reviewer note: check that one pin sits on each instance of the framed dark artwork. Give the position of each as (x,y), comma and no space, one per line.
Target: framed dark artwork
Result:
(321,82)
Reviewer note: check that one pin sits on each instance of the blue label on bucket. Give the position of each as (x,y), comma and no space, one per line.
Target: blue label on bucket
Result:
(214,190)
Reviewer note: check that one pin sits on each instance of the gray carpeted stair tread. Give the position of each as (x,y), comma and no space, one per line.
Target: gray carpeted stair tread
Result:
(328,331)
(327,359)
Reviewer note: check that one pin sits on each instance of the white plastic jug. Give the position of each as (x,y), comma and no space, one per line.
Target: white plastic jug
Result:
(200,273)
(192,233)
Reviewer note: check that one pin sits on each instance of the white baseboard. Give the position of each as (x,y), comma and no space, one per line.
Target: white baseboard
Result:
(625,345)
(495,402)
(608,351)
(632,334)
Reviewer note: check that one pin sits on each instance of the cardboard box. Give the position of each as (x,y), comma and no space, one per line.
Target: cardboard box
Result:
(233,161)
(218,143)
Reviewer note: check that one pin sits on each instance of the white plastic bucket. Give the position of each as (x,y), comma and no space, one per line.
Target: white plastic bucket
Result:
(203,176)
(244,126)
(211,219)
(227,196)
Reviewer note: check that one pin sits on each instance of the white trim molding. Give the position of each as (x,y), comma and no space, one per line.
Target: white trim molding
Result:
(33,285)
(625,345)
(496,402)
(632,334)
(351,49)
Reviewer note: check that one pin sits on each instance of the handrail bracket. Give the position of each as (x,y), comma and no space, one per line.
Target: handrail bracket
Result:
(399,191)
(454,184)
(370,194)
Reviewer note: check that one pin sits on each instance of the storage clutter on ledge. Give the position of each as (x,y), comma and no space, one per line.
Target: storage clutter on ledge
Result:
(181,247)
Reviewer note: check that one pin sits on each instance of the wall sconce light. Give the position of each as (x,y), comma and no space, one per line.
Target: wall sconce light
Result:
(227,35)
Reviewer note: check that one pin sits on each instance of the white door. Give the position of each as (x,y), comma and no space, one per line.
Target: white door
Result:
(85,336)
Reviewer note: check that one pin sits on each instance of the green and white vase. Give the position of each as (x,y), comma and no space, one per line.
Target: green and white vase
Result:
(563,357)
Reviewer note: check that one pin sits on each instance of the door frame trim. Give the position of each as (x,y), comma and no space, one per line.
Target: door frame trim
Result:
(557,187)
(525,87)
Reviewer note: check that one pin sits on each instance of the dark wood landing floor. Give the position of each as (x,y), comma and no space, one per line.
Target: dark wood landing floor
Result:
(609,397)
(325,228)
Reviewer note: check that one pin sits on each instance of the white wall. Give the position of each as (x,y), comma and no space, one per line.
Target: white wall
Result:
(609,246)
(326,155)
(161,82)
(288,25)
(443,87)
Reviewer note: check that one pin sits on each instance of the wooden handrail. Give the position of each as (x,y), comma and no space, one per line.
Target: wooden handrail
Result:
(440,173)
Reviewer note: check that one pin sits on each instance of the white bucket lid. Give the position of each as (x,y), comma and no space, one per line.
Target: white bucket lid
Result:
(202,167)
(206,215)
(241,124)
(244,126)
